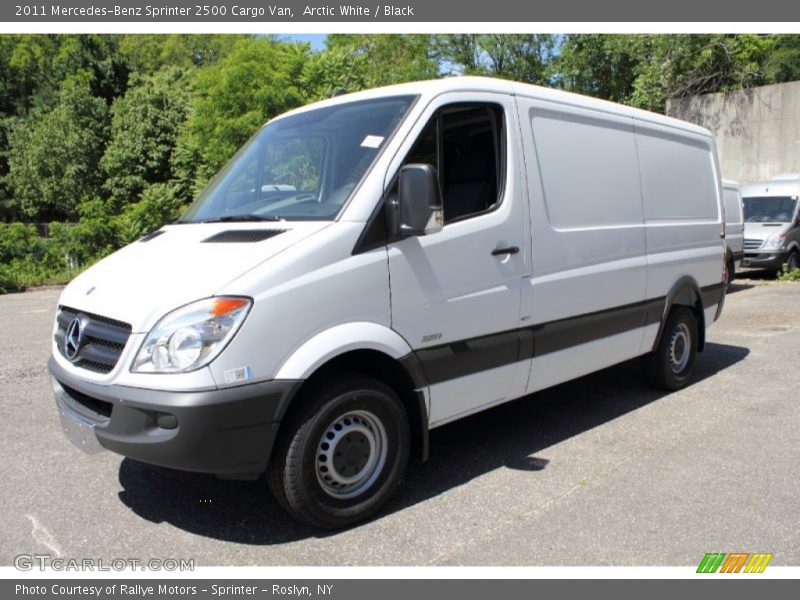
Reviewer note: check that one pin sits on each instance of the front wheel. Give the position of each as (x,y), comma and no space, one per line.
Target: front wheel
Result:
(340,457)
(793,262)
(671,364)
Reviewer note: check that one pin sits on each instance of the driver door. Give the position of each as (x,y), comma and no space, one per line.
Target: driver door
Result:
(455,294)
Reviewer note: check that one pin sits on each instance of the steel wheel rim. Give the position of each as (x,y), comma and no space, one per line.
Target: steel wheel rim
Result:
(679,348)
(351,454)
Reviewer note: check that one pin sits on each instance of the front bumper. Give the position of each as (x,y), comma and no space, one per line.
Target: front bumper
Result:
(228,432)
(771,261)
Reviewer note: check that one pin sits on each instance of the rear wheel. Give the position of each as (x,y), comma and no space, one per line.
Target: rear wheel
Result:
(340,457)
(730,272)
(671,364)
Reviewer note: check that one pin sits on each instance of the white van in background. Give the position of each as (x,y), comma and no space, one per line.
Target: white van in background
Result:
(772,223)
(382,263)
(734,226)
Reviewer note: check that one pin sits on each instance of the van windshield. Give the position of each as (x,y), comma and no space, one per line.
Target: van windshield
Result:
(302,167)
(769,209)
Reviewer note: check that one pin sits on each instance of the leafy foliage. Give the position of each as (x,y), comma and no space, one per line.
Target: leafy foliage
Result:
(521,57)
(160,203)
(784,275)
(53,155)
(144,131)
(111,135)
(256,81)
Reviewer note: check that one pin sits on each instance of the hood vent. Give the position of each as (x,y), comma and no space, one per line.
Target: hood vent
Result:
(151,235)
(243,236)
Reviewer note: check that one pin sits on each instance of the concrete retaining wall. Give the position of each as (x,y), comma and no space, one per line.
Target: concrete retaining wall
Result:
(757,130)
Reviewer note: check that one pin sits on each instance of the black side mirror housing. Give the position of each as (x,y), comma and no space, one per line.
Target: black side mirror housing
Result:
(419,201)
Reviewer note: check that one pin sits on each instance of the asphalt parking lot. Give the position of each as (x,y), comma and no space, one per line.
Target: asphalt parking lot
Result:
(600,471)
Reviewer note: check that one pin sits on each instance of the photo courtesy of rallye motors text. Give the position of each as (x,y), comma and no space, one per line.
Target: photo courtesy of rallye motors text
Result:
(381,263)
(98,590)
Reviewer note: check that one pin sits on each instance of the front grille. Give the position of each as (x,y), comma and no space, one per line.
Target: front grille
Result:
(101,339)
(750,244)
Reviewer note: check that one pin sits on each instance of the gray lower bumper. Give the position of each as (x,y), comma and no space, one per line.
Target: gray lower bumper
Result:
(766,260)
(228,432)
(78,430)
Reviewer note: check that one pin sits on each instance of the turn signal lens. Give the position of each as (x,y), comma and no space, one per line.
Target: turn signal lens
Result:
(221,306)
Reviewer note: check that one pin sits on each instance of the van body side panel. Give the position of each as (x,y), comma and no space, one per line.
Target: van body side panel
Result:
(681,191)
(455,302)
(588,257)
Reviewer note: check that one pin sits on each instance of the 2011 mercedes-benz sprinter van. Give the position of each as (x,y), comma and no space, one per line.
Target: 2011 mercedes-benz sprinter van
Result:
(734,227)
(772,223)
(379,264)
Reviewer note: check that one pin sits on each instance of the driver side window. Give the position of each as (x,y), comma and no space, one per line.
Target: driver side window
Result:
(464,143)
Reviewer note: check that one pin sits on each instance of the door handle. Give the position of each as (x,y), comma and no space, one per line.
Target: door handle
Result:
(502,251)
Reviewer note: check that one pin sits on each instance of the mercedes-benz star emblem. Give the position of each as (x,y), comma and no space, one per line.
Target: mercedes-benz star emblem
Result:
(73,339)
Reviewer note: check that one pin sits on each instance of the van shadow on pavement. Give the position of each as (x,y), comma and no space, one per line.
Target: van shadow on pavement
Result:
(508,436)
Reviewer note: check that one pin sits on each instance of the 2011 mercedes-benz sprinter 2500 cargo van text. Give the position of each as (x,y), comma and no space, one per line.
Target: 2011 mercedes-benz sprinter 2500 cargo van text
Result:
(379,264)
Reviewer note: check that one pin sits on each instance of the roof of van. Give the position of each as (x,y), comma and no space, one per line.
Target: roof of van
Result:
(434,87)
(772,187)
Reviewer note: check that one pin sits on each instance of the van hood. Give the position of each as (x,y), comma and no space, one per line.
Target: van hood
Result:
(177,265)
(761,231)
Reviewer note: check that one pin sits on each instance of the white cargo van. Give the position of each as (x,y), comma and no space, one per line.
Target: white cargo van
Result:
(734,227)
(772,223)
(376,265)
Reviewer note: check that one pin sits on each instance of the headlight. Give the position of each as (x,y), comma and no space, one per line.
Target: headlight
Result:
(192,336)
(774,242)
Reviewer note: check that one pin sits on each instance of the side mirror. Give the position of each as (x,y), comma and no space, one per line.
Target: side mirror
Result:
(419,201)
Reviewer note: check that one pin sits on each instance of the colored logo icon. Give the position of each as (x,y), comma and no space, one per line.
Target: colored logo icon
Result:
(734,562)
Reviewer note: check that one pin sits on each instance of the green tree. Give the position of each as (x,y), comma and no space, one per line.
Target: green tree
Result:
(599,65)
(53,155)
(94,236)
(327,71)
(147,53)
(256,81)
(521,57)
(782,61)
(144,131)
(34,66)
(646,70)
(23,63)
(159,204)
(372,60)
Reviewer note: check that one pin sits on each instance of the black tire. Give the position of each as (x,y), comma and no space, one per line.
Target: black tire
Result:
(793,262)
(731,273)
(340,456)
(671,365)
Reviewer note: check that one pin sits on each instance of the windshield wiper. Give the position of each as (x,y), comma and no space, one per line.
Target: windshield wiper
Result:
(236,219)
